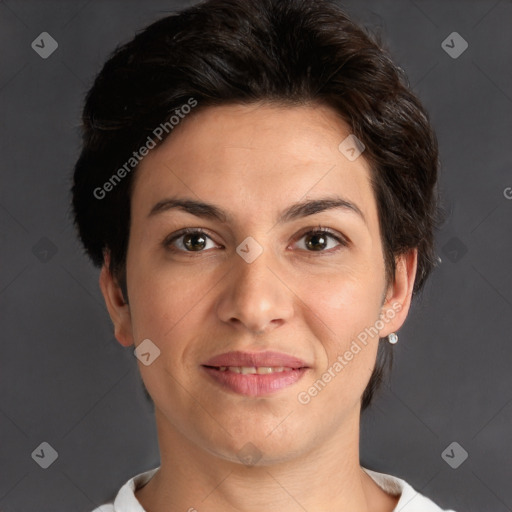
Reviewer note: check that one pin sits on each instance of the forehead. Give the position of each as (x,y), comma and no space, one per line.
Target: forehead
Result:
(254,158)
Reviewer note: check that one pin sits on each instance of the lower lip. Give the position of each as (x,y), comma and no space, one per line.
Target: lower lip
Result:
(253,384)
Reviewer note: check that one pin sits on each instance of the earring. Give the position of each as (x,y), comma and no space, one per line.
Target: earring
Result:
(392,338)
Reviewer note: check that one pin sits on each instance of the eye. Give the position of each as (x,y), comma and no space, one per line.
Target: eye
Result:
(321,240)
(188,240)
(192,240)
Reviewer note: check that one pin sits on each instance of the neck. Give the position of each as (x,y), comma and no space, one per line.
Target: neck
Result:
(326,478)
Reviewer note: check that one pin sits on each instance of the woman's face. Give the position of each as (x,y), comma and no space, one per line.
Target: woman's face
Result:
(256,279)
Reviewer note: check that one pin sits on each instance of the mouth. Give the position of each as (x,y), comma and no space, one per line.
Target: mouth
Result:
(256,373)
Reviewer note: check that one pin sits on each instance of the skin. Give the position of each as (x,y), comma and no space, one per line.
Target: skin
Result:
(253,162)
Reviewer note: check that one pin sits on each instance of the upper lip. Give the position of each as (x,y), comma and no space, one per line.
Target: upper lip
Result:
(268,358)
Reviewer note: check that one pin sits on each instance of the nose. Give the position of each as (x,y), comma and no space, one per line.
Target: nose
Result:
(254,296)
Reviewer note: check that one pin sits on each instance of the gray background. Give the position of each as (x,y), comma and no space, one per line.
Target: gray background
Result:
(64,379)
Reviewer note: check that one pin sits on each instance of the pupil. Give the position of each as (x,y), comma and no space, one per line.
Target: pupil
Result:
(192,246)
(317,237)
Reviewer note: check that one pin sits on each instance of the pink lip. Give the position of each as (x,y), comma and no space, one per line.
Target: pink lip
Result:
(255,384)
(268,358)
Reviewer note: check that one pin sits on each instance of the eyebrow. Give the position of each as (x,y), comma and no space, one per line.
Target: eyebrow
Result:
(295,211)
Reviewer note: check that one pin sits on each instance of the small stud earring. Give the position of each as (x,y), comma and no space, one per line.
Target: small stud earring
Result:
(392,338)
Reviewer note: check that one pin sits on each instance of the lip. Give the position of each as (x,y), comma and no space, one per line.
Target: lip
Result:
(267,358)
(255,384)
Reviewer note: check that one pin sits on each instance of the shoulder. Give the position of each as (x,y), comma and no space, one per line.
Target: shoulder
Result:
(410,499)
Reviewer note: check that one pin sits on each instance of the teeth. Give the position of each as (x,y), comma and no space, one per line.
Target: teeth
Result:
(265,369)
(260,370)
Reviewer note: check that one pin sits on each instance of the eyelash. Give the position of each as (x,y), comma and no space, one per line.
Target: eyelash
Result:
(317,230)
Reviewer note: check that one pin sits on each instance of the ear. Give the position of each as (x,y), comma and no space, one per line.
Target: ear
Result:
(399,293)
(118,310)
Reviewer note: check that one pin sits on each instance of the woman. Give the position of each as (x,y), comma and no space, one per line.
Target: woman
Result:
(258,186)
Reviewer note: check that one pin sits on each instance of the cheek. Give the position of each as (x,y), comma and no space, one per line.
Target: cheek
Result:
(169,309)
(166,300)
(342,311)
(346,301)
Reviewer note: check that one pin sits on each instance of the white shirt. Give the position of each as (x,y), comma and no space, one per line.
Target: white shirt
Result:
(410,500)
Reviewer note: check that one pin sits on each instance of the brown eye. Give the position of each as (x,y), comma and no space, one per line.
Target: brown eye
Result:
(321,240)
(194,242)
(189,240)
(316,241)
